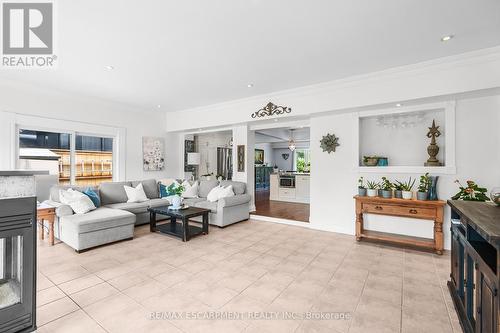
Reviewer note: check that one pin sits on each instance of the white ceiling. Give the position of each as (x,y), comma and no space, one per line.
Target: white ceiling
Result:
(183,54)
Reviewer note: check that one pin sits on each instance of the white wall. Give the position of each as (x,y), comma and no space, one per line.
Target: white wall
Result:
(333,180)
(457,74)
(243,136)
(268,153)
(18,101)
(285,165)
(403,146)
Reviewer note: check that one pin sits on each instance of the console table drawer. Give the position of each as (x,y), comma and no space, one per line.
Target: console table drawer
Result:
(417,212)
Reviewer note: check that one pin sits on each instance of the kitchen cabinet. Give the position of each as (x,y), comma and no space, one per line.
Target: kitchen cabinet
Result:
(302,187)
(475,265)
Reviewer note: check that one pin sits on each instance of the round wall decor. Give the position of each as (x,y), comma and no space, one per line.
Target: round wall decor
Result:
(329,143)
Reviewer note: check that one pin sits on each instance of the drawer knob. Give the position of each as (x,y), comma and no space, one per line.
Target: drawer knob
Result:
(413,211)
(378,207)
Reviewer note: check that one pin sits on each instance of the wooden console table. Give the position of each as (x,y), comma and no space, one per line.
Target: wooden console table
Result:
(428,210)
(46,213)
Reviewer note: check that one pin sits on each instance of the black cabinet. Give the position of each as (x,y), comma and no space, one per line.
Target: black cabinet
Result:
(475,262)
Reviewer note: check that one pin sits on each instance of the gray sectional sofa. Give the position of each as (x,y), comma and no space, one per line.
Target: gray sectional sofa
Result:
(116,218)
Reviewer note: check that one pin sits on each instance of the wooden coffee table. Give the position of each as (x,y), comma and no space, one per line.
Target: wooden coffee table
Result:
(182,230)
(46,213)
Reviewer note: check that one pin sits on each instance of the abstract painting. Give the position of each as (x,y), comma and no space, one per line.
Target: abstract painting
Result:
(153,153)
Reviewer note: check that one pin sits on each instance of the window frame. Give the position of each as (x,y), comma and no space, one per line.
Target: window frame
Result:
(74,129)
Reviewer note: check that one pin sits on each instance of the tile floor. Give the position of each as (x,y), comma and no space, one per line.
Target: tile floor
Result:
(280,278)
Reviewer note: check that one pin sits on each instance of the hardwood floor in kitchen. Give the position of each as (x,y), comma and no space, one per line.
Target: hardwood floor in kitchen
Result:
(280,209)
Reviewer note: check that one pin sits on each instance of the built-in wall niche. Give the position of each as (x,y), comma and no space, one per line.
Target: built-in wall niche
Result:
(400,135)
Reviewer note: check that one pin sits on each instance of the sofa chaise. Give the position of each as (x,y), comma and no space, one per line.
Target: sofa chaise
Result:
(115,219)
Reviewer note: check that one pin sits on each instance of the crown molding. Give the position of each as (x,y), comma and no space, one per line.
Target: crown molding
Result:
(463,59)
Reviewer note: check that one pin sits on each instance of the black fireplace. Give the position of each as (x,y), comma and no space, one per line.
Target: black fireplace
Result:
(17,265)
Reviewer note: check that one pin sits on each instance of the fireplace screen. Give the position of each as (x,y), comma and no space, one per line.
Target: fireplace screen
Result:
(11,266)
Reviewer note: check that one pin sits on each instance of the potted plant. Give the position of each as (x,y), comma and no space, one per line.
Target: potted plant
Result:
(471,193)
(386,186)
(361,187)
(372,190)
(398,189)
(370,160)
(176,199)
(423,187)
(407,189)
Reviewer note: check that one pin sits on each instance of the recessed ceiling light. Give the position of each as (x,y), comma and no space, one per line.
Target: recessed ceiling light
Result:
(399,104)
(250,85)
(158,106)
(446,38)
(275,120)
(109,68)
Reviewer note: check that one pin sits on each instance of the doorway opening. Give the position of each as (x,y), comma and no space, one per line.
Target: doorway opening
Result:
(282,173)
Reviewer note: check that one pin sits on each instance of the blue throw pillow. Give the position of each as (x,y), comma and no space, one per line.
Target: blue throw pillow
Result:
(93,196)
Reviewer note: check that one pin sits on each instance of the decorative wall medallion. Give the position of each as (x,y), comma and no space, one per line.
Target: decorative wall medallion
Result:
(285,156)
(270,110)
(329,143)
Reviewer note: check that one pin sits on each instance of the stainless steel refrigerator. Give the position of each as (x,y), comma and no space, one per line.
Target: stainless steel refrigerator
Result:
(225,162)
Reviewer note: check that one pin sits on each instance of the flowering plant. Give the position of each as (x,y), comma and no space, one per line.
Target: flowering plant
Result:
(470,193)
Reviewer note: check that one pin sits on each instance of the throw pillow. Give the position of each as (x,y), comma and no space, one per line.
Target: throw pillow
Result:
(190,191)
(93,196)
(226,192)
(79,202)
(214,193)
(167,191)
(136,194)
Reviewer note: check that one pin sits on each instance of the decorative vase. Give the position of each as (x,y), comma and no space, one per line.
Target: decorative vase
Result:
(372,192)
(495,195)
(383,161)
(387,194)
(407,195)
(398,194)
(176,201)
(362,191)
(433,188)
(422,195)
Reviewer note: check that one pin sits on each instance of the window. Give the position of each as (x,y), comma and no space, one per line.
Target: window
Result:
(94,160)
(40,150)
(93,156)
(302,160)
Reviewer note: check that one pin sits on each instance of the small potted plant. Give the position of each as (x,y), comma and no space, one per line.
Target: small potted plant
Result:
(398,189)
(386,186)
(361,187)
(372,190)
(407,189)
(471,193)
(370,160)
(176,199)
(423,187)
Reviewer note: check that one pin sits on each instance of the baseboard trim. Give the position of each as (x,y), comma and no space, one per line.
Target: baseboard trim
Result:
(279,220)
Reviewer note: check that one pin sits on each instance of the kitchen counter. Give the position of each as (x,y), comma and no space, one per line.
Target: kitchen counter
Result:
(298,193)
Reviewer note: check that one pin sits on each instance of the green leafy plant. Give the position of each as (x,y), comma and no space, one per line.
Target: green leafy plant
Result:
(406,186)
(425,182)
(471,193)
(175,189)
(386,185)
(372,185)
(361,183)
